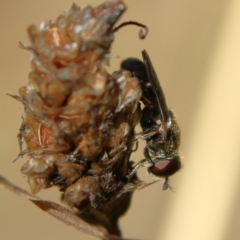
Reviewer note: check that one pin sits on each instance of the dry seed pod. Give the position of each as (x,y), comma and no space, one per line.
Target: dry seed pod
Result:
(79,120)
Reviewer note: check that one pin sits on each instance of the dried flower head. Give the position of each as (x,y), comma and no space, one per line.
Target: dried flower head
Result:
(79,120)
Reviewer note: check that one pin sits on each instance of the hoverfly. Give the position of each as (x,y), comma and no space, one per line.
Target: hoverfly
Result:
(159,125)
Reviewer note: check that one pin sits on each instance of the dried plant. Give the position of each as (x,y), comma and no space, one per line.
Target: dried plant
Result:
(57,211)
(79,120)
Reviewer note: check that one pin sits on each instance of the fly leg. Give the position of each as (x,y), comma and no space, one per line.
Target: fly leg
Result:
(148,184)
(147,156)
(135,149)
(142,163)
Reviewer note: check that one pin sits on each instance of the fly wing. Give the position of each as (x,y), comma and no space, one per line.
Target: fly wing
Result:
(157,89)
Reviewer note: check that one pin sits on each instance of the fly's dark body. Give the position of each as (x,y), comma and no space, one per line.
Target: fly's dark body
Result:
(160,129)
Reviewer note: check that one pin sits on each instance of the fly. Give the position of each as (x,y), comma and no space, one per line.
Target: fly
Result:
(159,125)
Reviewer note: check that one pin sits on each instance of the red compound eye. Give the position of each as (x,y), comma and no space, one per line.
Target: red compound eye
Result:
(166,167)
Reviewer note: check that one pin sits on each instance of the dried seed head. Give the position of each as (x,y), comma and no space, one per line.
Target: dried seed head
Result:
(79,120)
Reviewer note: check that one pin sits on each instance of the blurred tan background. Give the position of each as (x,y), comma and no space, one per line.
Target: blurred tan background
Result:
(195,48)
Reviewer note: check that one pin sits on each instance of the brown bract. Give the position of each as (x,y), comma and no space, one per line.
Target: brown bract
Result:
(79,120)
